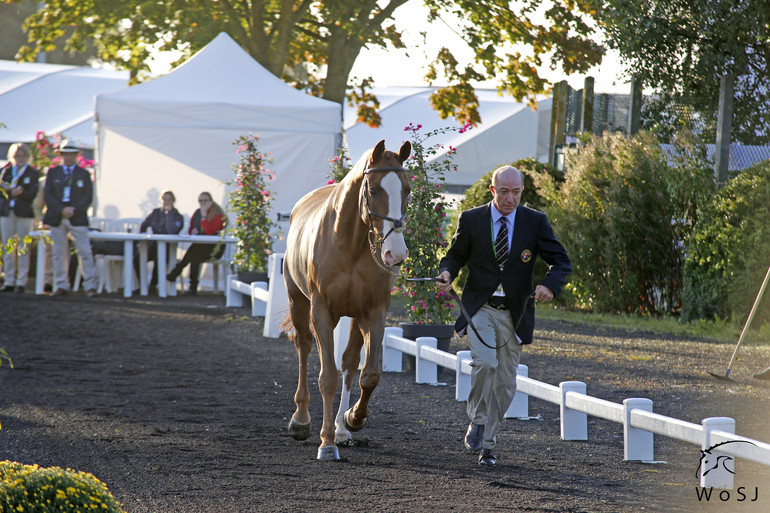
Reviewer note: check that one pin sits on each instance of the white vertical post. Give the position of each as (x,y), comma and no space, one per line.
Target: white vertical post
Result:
(716,468)
(232,297)
(519,407)
(278,298)
(574,424)
(258,306)
(426,371)
(40,271)
(462,381)
(391,358)
(128,268)
(637,443)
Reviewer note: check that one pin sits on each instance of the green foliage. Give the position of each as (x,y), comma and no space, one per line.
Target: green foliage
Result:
(728,253)
(680,49)
(624,213)
(340,165)
(426,223)
(33,489)
(314,45)
(250,202)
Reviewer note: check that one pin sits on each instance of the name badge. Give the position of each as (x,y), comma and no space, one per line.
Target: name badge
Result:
(80,183)
(65,197)
(26,180)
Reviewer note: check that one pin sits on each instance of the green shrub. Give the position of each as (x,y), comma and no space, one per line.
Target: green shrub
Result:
(623,213)
(729,251)
(32,489)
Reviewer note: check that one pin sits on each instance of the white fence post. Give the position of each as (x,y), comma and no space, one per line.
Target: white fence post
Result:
(258,306)
(391,358)
(637,443)
(278,298)
(574,424)
(232,297)
(713,470)
(519,407)
(425,371)
(462,380)
(341,339)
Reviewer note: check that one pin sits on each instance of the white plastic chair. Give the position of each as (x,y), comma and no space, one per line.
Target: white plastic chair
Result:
(110,267)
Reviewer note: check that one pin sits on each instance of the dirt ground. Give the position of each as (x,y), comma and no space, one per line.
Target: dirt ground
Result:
(180,405)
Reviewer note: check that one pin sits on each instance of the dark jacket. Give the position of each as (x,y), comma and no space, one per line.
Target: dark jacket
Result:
(22,204)
(81,195)
(160,222)
(472,245)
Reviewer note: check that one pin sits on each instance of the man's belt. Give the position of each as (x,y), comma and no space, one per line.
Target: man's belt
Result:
(497,302)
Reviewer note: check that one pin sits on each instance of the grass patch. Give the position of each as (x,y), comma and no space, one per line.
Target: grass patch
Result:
(715,331)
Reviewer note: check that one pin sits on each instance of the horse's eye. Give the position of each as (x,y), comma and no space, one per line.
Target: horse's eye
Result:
(372,191)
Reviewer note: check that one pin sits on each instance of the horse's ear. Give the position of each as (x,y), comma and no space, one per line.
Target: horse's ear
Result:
(378,151)
(405,151)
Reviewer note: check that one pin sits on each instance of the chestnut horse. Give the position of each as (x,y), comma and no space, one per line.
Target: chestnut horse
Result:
(343,249)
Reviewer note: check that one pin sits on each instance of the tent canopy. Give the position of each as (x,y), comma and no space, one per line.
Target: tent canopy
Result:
(177,133)
(53,99)
(508,132)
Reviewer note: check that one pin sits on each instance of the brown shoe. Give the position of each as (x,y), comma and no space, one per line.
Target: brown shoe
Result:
(59,292)
(91,292)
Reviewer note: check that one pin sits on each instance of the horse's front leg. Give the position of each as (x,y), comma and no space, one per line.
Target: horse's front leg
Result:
(328,379)
(373,332)
(350,360)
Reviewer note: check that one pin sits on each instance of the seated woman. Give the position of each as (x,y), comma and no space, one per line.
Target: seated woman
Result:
(165,219)
(209,219)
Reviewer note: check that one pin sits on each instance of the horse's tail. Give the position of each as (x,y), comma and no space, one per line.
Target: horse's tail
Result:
(287,326)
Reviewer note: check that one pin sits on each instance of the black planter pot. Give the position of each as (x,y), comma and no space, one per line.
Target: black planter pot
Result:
(442,332)
(252,276)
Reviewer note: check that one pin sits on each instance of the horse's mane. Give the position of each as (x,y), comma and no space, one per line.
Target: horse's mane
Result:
(350,184)
(358,169)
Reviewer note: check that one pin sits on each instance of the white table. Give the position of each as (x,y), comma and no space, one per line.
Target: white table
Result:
(167,245)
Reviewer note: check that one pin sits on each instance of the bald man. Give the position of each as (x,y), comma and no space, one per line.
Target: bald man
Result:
(500,242)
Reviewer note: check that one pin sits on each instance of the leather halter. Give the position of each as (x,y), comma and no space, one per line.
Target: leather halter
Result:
(375,238)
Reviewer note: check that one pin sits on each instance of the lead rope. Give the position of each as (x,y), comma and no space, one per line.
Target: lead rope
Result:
(468,316)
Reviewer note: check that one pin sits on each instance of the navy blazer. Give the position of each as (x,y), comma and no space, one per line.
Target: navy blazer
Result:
(29,182)
(81,195)
(473,245)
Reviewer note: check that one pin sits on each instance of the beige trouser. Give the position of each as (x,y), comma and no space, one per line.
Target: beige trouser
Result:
(493,374)
(61,255)
(11,226)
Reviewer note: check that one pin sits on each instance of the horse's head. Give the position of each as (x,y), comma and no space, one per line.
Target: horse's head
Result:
(384,198)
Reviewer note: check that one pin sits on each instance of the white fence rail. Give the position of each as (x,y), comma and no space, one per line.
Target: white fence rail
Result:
(714,435)
(268,299)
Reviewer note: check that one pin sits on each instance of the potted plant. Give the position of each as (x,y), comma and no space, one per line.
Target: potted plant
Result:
(429,310)
(250,203)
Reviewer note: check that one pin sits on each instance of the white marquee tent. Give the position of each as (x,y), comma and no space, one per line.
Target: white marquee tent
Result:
(177,132)
(53,99)
(509,130)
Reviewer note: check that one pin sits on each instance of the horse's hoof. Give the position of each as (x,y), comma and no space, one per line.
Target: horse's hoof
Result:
(348,425)
(328,453)
(299,431)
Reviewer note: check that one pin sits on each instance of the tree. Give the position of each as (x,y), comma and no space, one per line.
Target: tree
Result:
(681,48)
(313,45)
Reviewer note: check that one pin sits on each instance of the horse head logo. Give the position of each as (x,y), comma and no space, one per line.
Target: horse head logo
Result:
(709,461)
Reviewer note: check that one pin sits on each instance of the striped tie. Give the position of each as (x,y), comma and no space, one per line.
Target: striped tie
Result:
(501,243)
